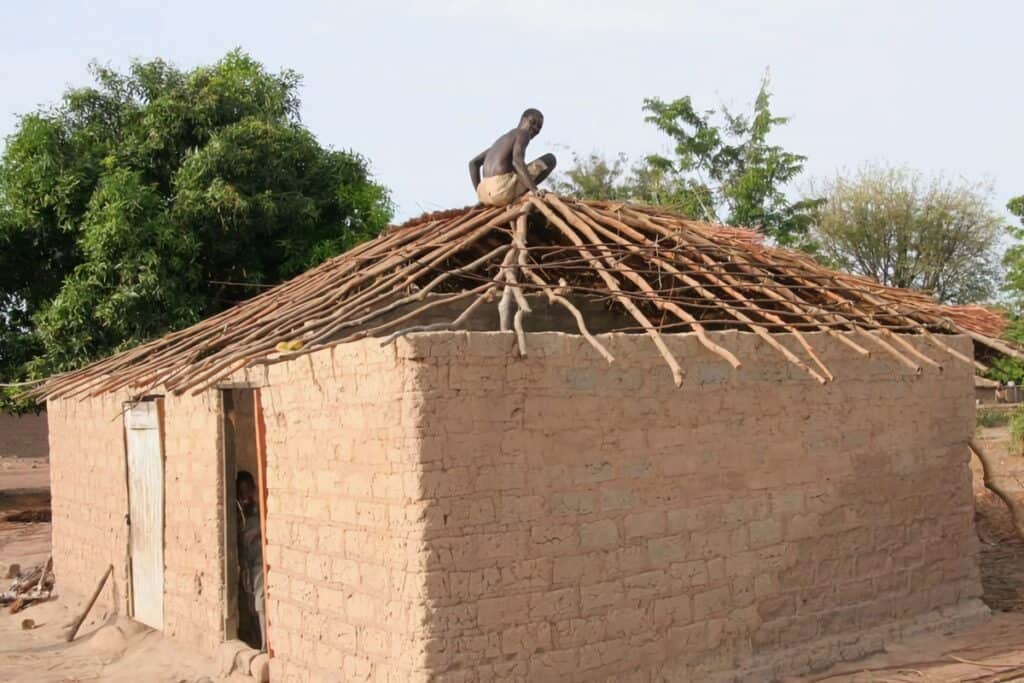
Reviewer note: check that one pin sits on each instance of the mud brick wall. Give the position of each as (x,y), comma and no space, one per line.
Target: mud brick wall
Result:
(23,436)
(90,506)
(194,592)
(440,509)
(585,521)
(89,499)
(347,584)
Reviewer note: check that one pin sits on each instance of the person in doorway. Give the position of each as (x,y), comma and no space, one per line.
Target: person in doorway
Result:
(506,175)
(250,547)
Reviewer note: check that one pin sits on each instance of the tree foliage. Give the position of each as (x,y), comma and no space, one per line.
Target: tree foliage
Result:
(1004,368)
(904,230)
(722,169)
(596,177)
(126,207)
(1013,260)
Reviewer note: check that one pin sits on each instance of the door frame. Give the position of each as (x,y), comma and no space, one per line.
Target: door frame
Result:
(229,470)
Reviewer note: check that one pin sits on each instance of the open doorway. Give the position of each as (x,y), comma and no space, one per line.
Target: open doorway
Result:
(245,519)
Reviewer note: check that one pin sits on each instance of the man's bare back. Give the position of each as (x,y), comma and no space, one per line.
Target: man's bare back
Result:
(506,175)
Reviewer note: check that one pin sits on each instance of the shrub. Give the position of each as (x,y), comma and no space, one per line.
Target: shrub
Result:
(992,418)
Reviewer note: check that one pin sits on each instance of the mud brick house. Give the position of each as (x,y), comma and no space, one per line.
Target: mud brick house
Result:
(560,440)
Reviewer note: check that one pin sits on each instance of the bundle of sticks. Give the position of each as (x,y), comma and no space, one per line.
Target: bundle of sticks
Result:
(32,585)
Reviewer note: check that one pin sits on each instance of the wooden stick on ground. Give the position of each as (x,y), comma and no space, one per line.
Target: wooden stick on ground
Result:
(95,594)
(46,570)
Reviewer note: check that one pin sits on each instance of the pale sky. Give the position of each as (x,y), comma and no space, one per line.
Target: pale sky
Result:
(420,86)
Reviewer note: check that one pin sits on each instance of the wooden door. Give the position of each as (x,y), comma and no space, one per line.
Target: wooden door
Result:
(146,510)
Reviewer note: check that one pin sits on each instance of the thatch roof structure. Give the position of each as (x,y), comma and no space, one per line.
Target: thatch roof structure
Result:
(985,320)
(658,272)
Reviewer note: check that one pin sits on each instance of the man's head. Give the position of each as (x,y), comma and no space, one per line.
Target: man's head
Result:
(245,488)
(532,120)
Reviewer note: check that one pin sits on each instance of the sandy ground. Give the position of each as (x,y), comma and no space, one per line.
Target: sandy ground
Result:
(111,648)
(107,648)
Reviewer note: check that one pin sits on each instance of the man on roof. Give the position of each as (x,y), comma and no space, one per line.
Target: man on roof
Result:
(506,175)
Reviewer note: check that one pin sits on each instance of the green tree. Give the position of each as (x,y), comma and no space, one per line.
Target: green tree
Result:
(1016,207)
(136,205)
(904,230)
(595,177)
(1013,260)
(1005,368)
(723,170)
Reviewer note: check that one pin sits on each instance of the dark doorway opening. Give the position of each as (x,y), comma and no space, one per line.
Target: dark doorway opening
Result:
(244,496)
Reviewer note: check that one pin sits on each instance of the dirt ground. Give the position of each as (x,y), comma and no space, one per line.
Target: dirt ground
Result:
(109,648)
(1002,552)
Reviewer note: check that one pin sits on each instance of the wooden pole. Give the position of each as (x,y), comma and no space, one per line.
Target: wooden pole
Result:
(261,474)
(95,594)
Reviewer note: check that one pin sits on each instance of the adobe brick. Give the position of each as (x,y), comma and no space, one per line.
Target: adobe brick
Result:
(644,524)
(598,535)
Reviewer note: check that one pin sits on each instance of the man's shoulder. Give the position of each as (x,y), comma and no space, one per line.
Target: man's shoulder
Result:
(513,134)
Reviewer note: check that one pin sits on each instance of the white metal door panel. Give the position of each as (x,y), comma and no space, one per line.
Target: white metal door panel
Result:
(146,510)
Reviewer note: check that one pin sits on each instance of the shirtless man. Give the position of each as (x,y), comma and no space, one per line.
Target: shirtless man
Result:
(506,176)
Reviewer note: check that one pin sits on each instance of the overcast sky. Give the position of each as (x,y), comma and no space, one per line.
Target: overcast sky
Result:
(420,86)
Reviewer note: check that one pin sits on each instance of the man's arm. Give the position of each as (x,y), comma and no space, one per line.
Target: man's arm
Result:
(474,167)
(519,161)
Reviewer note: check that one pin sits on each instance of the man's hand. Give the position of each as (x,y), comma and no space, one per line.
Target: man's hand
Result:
(539,193)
